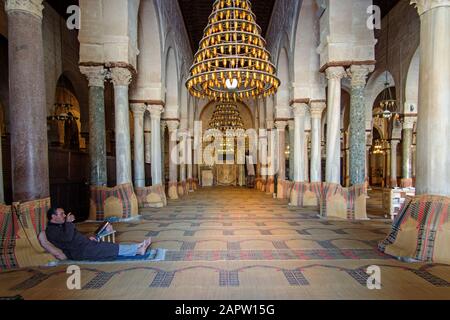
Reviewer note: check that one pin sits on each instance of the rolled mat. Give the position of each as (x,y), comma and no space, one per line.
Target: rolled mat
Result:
(119,202)
(421,231)
(19,226)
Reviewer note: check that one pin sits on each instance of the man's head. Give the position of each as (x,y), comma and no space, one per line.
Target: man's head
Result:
(56,215)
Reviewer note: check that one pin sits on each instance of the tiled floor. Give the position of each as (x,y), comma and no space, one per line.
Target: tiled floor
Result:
(237,243)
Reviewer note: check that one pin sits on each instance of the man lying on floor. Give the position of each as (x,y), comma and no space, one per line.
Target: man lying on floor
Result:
(61,232)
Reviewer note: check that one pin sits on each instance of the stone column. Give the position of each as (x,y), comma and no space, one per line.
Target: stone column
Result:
(162,143)
(316,139)
(270,186)
(367,166)
(433,126)
(189,162)
(281,127)
(291,124)
(139,161)
(173,158)
(333,168)
(97,133)
(121,78)
(357,154)
(393,182)
(182,159)
(306,154)
(299,110)
(148,138)
(155,116)
(407,135)
(27,101)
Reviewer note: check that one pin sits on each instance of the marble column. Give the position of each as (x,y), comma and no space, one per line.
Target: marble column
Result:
(173,158)
(407,135)
(333,168)
(433,126)
(156,170)
(148,138)
(97,129)
(299,111)
(270,186)
(357,154)
(281,143)
(393,182)
(139,160)
(162,142)
(182,149)
(291,125)
(316,140)
(27,101)
(367,166)
(121,78)
(306,155)
(189,162)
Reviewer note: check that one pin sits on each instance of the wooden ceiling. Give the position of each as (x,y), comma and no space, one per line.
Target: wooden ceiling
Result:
(196,13)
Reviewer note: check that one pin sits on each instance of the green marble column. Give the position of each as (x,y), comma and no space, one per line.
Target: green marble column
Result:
(357,125)
(97,134)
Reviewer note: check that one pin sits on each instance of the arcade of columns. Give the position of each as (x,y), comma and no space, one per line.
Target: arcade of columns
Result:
(29,139)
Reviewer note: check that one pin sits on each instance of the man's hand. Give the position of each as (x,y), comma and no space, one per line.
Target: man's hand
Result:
(70,217)
(93,239)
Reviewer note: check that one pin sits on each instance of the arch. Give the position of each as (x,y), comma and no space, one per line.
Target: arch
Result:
(171,85)
(246,114)
(375,86)
(66,133)
(412,84)
(282,98)
(148,85)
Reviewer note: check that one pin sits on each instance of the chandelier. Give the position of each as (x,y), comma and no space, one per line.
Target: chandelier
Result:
(227,119)
(63,102)
(378,147)
(232,62)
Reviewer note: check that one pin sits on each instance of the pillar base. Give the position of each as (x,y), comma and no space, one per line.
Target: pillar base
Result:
(22,223)
(343,203)
(305,194)
(270,185)
(182,188)
(284,188)
(118,203)
(151,197)
(195,184)
(173,190)
(420,236)
(393,183)
(406,182)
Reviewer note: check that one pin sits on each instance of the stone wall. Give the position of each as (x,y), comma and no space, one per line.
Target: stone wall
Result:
(404,40)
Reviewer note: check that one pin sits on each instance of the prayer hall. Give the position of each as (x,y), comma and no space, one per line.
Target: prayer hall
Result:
(224,150)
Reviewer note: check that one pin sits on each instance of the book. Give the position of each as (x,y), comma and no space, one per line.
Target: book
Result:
(101,229)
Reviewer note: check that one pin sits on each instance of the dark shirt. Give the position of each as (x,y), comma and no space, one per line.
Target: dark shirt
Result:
(77,246)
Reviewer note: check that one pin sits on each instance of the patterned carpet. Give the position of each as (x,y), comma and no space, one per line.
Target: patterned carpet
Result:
(237,243)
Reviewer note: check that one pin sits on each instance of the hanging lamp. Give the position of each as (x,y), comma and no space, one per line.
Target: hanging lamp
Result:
(232,62)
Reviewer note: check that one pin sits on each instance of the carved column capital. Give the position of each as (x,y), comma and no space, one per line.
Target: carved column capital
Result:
(155,111)
(299,109)
(172,125)
(425,5)
(358,74)
(317,108)
(281,125)
(335,73)
(138,109)
(121,76)
(95,75)
(33,7)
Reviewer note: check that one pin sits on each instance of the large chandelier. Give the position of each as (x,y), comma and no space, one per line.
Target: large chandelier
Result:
(226,117)
(232,62)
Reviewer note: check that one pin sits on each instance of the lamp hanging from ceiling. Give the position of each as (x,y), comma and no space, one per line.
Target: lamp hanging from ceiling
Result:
(388,104)
(232,62)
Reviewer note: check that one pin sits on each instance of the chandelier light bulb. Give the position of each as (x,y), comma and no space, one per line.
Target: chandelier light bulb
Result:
(231,84)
